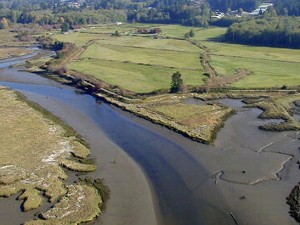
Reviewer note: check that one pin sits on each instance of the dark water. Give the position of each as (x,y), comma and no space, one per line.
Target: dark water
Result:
(182,186)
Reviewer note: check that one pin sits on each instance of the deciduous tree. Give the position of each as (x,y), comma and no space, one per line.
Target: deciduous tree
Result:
(176,82)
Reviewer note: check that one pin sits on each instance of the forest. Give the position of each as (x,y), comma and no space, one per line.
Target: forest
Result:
(273,31)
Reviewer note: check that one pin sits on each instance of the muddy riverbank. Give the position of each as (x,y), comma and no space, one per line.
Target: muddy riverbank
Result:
(247,172)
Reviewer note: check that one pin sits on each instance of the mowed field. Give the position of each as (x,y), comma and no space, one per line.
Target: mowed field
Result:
(270,67)
(142,63)
(139,63)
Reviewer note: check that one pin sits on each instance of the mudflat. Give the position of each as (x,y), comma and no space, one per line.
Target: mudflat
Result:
(34,149)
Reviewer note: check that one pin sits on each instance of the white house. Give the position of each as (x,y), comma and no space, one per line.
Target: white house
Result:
(262,8)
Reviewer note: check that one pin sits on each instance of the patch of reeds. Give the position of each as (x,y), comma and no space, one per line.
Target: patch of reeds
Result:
(69,131)
(102,189)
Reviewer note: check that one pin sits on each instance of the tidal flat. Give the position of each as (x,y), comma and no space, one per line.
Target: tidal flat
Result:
(34,149)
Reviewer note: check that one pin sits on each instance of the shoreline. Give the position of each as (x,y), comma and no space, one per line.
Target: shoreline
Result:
(130,187)
(128,173)
(19,52)
(227,187)
(53,144)
(129,105)
(88,85)
(122,106)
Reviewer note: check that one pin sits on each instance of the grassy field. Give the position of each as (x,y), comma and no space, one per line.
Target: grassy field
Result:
(156,57)
(270,67)
(151,43)
(79,38)
(143,64)
(131,76)
(200,122)
(265,73)
(140,64)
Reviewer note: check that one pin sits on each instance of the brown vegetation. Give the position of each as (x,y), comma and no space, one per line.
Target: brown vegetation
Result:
(277,108)
(198,122)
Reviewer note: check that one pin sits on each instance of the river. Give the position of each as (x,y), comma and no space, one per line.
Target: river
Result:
(159,177)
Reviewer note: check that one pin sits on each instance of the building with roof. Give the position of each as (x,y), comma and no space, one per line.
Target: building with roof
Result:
(261,9)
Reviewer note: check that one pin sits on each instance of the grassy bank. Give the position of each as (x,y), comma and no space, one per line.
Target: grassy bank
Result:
(13,52)
(197,122)
(31,133)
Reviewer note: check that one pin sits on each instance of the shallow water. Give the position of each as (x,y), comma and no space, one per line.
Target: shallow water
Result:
(163,160)
(12,61)
(193,183)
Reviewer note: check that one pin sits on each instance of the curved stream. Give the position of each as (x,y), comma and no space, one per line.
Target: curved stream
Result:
(191,183)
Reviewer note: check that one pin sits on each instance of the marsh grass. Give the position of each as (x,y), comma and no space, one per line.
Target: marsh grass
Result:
(102,189)
(13,52)
(277,108)
(30,132)
(69,131)
(80,205)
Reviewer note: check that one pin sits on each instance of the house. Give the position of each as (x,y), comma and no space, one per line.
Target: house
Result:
(218,15)
(261,9)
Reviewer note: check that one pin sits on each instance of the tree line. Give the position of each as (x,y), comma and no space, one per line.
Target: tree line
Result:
(72,18)
(172,11)
(272,31)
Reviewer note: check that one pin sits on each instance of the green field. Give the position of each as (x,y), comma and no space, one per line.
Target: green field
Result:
(79,38)
(138,63)
(270,67)
(151,43)
(142,63)
(157,57)
(135,77)
(265,73)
